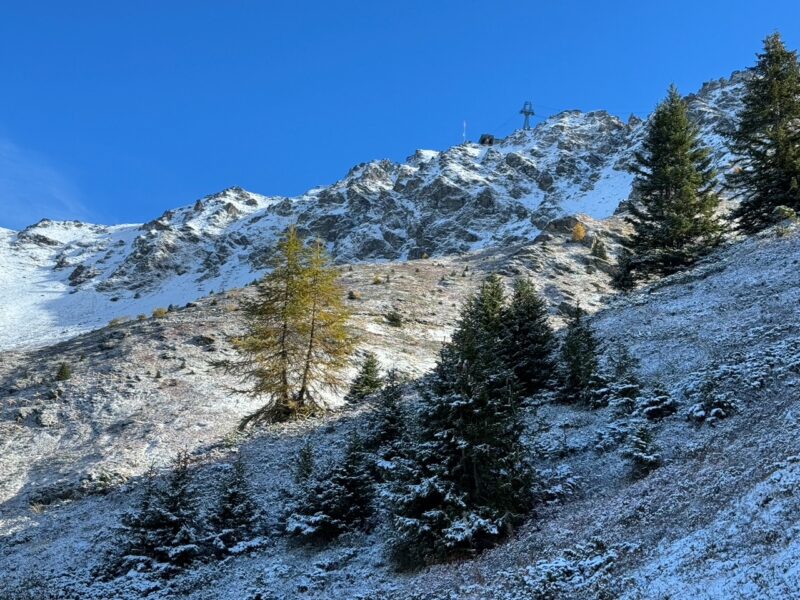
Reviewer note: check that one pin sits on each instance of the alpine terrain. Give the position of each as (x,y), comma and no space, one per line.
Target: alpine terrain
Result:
(526,421)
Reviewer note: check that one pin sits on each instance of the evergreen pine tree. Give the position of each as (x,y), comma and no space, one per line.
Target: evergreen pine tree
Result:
(529,343)
(181,540)
(465,482)
(390,418)
(368,380)
(235,516)
(578,366)
(624,385)
(140,527)
(766,141)
(296,343)
(334,501)
(641,452)
(163,531)
(304,466)
(64,372)
(674,213)
(599,248)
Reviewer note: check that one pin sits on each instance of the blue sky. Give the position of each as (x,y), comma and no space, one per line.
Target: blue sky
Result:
(117,111)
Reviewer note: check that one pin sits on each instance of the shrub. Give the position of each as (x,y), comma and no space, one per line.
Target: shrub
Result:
(304,464)
(118,321)
(784,213)
(142,317)
(394,318)
(377,280)
(64,372)
(599,248)
(578,232)
(642,453)
(159,313)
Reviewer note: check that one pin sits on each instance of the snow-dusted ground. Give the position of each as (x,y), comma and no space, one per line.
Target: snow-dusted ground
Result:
(717,520)
(58,279)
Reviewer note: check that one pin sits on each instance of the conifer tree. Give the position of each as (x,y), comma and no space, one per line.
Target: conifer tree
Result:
(336,500)
(64,372)
(578,366)
(390,418)
(529,343)
(368,380)
(141,526)
(641,451)
(766,141)
(163,530)
(296,343)
(235,517)
(624,385)
(328,344)
(673,214)
(466,482)
(304,465)
(181,540)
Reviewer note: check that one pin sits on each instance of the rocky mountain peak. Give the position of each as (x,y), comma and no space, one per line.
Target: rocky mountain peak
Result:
(458,200)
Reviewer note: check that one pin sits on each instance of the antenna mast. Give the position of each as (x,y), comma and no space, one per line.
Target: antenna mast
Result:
(527,110)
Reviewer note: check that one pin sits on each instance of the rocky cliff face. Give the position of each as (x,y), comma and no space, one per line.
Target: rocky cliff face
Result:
(436,203)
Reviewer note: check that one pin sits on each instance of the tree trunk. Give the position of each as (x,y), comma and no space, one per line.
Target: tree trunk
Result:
(309,351)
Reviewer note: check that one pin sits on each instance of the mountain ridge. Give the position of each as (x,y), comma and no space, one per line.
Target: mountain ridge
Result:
(74,276)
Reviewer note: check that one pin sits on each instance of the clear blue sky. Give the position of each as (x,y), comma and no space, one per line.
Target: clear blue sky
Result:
(116,111)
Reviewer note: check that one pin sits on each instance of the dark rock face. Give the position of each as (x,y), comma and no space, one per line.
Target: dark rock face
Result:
(81,275)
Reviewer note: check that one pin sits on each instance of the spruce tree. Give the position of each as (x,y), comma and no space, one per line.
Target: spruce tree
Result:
(766,142)
(466,482)
(235,517)
(140,527)
(624,386)
(64,372)
(673,213)
(163,531)
(336,500)
(304,465)
(181,540)
(641,451)
(578,367)
(296,343)
(368,380)
(390,420)
(529,343)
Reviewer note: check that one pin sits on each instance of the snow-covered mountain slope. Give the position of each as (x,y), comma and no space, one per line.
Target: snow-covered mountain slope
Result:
(131,378)
(61,278)
(717,520)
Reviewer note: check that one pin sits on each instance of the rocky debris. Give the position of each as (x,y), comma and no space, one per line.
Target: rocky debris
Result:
(81,274)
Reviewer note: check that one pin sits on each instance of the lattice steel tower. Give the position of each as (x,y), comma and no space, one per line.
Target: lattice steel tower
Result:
(527,110)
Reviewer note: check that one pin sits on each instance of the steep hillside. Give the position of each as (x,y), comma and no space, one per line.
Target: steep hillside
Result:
(717,519)
(143,389)
(62,278)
